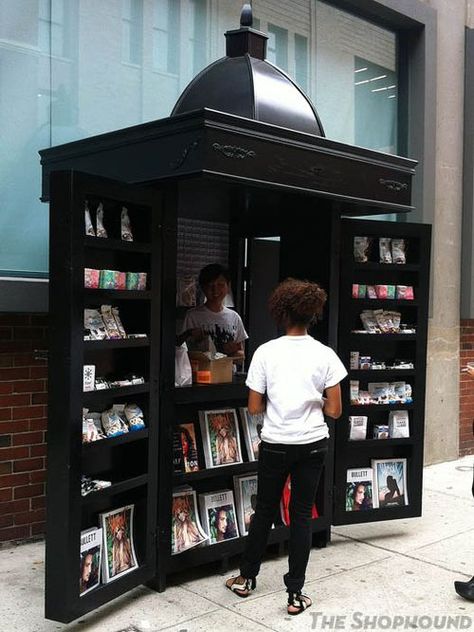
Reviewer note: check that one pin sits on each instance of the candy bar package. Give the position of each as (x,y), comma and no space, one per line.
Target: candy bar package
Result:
(399,247)
(378,392)
(390,291)
(371,291)
(398,424)
(354,391)
(120,281)
(355,290)
(405,292)
(125,225)
(91,278)
(88,222)
(408,394)
(381,291)
(359,290)
(109,321)
(132,280)
(142,280)
(361,249)
(118,322)
(354,362)
(134,416)
(107,279)
(94,325)
(381,431)
(113,424)
(357,428)
(384,250)
(99,221)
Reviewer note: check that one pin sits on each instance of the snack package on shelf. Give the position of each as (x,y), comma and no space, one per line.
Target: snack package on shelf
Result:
(405,292)
(91,278)
(381,431)
(357,428)
(399,248)
(132,280)
(361,249)
(398,424)
(371,291)
(354,391)
(113,424)
(99,217)
(118,322)
(379,392)
(87,219)
(125,225)
(384,250)
(88,378)
(94,325)
(134,416)
(91,427)
(365,363)
(354,361)
(110,322)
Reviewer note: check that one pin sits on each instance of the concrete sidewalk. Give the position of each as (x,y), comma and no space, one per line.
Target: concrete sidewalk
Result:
(389,572)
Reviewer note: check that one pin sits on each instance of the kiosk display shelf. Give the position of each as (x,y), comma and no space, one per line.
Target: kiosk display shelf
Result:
(126,461)
(378,468)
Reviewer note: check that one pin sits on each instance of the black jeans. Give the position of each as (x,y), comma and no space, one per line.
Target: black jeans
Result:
(304,463)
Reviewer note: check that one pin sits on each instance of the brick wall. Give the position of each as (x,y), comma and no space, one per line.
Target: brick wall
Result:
(466,403)
(23,412)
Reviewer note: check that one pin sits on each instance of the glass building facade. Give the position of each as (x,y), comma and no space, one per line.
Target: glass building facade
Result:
(70,69)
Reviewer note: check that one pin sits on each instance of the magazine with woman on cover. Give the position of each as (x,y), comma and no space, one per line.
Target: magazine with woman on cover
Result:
(218,515)
(90,563)
(119,552)
(246,500)
(220,437)
(186,530)
(359,495)
(252,427)
(390,482)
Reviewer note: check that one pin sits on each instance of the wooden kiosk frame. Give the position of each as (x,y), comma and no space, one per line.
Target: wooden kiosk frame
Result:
(262,180)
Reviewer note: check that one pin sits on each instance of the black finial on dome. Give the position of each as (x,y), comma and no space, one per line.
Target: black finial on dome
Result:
(246,18)
(246,40)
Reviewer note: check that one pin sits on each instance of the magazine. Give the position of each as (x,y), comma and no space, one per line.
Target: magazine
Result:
(186,529)
(285,504)
(220,437)
(185,456)
(359,494)
(91,554)
(390,482)
(252,427)
(245,488)
(218,515)
(119,552)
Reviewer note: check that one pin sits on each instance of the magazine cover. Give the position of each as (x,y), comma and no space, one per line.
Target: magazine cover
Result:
(186,529)
(245,488)
(359,494)
(252,427)
(91,554)
(218,515)
(220,436)
(119,553)
(390,482)
(185,455)
(285,504)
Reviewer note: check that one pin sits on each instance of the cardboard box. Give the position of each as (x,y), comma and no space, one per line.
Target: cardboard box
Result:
(207,371)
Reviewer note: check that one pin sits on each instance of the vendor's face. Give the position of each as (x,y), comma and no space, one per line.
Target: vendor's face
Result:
(216,289)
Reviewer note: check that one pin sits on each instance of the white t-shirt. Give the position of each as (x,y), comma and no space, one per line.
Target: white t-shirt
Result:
(224,326)
(294,371)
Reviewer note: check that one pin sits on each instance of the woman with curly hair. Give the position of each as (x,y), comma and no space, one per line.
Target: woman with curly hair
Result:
(287,379)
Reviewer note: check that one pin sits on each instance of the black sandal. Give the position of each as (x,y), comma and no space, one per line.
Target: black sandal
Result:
(241,588)
(299,601)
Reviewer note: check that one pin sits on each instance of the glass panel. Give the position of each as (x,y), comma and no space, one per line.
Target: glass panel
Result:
(89,68)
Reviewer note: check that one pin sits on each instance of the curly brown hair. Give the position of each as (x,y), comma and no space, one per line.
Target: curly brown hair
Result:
(296,302)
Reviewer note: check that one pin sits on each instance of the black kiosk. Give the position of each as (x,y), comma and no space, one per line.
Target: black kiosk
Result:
(244,149)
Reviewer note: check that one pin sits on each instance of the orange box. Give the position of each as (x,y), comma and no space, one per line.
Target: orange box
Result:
(207,371)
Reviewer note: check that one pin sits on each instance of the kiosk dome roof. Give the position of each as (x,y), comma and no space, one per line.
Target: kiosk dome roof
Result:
(245,84)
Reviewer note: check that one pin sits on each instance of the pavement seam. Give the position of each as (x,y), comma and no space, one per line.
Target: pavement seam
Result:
(186,621)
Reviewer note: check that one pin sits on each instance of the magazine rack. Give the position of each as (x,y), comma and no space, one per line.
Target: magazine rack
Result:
(385,348)
(263,181)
